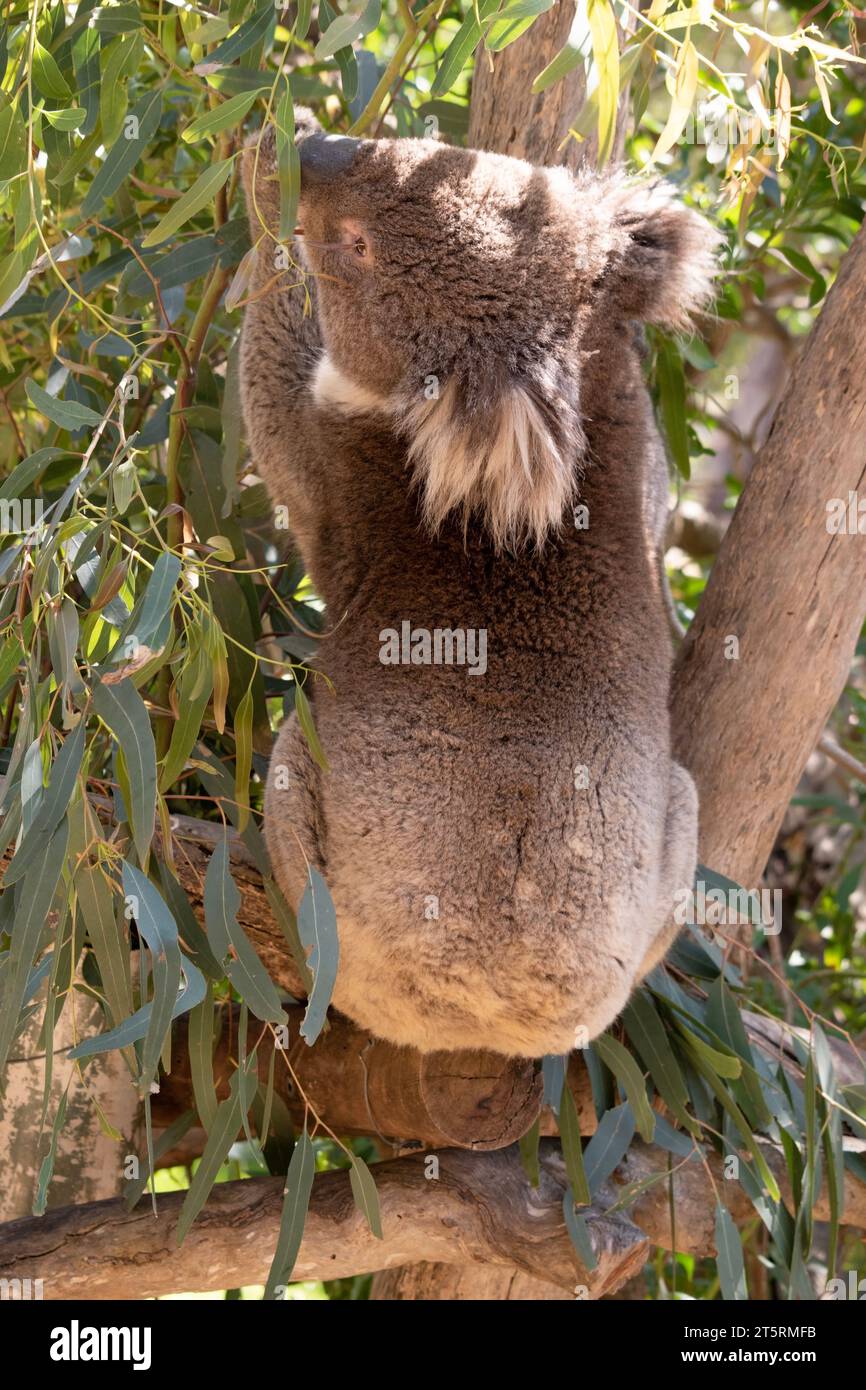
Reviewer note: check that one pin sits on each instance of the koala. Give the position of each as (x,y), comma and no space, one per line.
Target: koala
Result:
(453,412)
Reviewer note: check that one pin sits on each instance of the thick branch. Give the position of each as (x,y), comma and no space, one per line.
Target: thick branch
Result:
(480,1209)
(360,1085)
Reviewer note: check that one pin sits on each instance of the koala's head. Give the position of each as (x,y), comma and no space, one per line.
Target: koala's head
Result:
(456,291)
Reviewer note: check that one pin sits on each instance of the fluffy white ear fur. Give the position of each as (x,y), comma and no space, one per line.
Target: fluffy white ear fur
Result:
(668,257)
(516,473)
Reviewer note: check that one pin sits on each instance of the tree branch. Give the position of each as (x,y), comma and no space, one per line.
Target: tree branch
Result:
(479,1209)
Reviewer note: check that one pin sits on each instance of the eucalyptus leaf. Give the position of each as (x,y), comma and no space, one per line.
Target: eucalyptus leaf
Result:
(317,926)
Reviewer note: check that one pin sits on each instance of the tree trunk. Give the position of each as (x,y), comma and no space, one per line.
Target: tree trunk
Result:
(89,1163)
(792,596)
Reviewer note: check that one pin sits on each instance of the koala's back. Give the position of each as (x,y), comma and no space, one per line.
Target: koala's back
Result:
(490,840)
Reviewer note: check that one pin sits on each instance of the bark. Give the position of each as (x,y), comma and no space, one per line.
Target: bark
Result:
(790,593)
(456,1283)
(505,114)
(89,1162)
(480,1230)
(479,1208)
(361,1085)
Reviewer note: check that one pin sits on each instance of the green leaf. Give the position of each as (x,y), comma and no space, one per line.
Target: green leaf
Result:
(299,1185)
(574,51)
(288,165)
(628,1073)
(575,1223)
(605,52)
(125,152)
(632,1190)
(150,608)
(305,14)
(647,1035)
(572,1149)
(365,1194)
(724,1018)
(97,914)
(529,1154)
(513,20)
(721,1062)
(345,57)
(228,113)
(343,31)
(69,415)
(308,728)
(733,1110)
(159,931)
(53,804)
(255,30)
(317,926)
(243,757)
(122,58)
(88,78)
(222,1136)
(671,386)
(729,1257)
(121,709)
(194,691)
(609,1144)
(46,1168)
(202,192)
(33,899)
(200,1045)
(229,941)
(134,1189)
(47,77)
(461,48)
(13,139)
(192,936)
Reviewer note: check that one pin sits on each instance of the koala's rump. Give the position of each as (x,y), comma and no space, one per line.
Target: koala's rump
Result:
(482,898)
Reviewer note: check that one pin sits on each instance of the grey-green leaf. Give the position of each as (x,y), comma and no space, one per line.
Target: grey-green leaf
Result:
(229,941)
(125,152)
(578,1230)
(628,1073)
(32,901)
(365,1195)
(608,1145)
(121,708)
(159,930)
(69,415)
(221,1137)
(299,1185)
(572,1150)
(317,926)
(729,1257)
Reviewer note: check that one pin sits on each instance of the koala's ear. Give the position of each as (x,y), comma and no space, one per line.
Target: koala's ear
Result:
(665,255)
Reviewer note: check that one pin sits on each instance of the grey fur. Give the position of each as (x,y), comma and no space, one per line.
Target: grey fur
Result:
(515,288)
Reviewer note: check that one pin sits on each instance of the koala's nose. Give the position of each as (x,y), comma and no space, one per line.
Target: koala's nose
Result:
(324,157)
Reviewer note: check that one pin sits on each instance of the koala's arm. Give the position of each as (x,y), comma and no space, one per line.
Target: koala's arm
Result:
(280,346)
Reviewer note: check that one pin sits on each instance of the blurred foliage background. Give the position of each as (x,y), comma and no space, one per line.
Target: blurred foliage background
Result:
(154,622)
